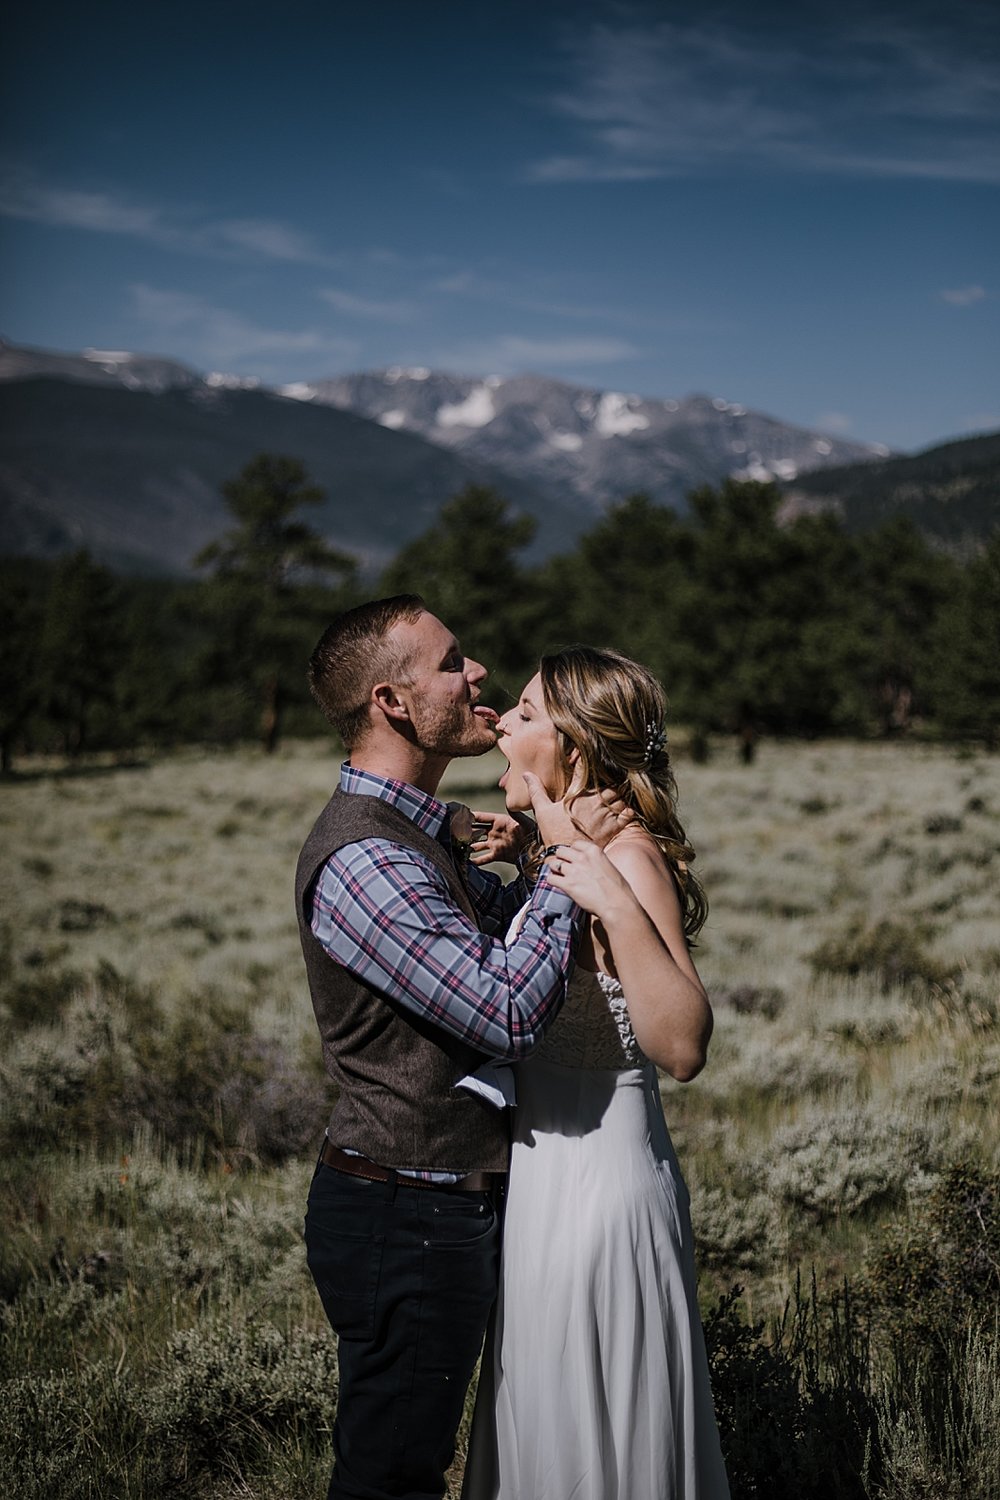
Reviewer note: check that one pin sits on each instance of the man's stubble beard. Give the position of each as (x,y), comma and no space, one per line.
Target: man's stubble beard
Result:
(453,731)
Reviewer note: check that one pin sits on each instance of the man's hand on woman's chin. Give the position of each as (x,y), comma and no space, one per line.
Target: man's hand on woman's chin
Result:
(597,816)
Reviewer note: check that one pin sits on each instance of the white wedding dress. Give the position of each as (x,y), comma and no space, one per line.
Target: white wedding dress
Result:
(594,1381)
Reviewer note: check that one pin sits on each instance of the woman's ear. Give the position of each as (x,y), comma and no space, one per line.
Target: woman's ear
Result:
(574,771)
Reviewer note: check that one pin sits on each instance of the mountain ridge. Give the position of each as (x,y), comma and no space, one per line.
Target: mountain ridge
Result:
(125,453)
(600,444)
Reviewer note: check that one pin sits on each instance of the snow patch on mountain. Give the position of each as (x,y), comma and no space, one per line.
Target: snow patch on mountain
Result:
(393,419)
(218,380)
(477,410)
(763,473)
(617,415)
(298,390)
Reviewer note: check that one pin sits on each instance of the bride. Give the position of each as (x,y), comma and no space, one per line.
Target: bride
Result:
(595,1382)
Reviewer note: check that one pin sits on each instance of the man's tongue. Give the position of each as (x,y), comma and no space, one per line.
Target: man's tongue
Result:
(489,714)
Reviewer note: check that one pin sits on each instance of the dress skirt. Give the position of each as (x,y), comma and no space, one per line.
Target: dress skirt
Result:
(594,1382)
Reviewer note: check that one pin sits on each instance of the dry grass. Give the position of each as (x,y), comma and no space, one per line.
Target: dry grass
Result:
(853,952)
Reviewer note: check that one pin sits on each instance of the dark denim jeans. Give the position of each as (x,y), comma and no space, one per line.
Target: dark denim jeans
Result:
(407,1277)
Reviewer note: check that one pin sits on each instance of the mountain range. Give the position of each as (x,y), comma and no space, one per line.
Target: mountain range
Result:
(596,446)
(125,454)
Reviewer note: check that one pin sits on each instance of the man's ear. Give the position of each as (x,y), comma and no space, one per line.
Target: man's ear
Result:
(387,698)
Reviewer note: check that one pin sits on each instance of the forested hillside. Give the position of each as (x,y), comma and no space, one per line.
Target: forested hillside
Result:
(950,492)
(755,625)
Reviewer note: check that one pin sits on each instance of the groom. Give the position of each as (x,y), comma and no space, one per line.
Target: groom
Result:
(413,990)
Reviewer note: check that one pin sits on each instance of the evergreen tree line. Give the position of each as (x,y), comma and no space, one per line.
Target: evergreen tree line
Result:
(754,624)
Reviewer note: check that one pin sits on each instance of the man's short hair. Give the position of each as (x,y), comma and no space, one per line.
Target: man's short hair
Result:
(353,654)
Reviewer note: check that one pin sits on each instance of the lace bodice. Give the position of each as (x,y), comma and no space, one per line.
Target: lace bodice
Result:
(593,1029)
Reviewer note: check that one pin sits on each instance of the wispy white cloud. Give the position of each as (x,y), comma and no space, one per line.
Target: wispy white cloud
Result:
(21,197)
(508,354)
(383,255)
(526,292)
(24,196)
(871,97)
(388,311)
(468,283)
(219,336)
(963,296)
(267,238)
(597,168)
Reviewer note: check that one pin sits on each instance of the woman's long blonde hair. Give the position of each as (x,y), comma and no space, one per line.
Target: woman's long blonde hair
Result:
(611,710)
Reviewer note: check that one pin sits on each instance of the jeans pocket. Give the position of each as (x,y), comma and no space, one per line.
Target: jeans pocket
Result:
(346,1269)
(459,1222)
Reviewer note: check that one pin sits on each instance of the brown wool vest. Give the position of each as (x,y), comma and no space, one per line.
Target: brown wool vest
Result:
(395,1072)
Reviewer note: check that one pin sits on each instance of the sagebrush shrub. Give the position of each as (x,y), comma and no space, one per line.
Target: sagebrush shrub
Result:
(202,1074)
(221,1400)
(143,1222)
(938,1416)
(854,1014)
(734,1231)
(892,952)
(208,1241)
(63,1437)
(750,999)
(53,1317)
(837,1162)
(939,1268)
(75,1080)
(783,1067)
(223,1392)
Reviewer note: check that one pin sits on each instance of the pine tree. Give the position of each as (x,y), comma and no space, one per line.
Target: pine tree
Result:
(265,593)
(466,567)
(81,646)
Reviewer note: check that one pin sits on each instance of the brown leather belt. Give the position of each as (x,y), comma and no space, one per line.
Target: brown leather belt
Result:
(360,1166)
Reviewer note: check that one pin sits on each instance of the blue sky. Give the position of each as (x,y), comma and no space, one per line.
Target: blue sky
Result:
(795,209)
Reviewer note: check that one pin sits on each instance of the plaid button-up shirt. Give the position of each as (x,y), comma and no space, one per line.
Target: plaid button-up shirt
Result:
(385,913)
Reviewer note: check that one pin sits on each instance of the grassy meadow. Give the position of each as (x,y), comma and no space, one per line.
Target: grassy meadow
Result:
(161,1101)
